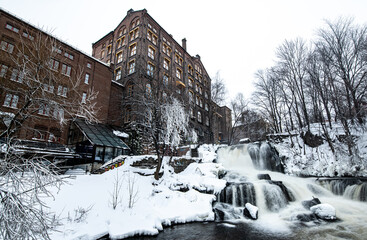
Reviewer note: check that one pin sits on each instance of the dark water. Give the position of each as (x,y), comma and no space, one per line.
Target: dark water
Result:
(213,230)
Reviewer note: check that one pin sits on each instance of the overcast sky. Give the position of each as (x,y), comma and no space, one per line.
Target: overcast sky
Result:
(236,38)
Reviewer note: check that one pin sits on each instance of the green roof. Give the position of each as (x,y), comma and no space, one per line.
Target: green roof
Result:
(100,134)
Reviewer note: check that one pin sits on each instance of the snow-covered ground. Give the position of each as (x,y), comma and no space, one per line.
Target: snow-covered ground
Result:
(84,204)
(302,160)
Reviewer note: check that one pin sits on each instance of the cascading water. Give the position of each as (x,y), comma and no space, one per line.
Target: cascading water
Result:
(281,199)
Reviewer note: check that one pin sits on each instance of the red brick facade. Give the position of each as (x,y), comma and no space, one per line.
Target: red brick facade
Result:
(140,45)
(78,75)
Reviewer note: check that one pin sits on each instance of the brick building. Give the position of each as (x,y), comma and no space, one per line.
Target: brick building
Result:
(143,55)
(56,77)
(138,53)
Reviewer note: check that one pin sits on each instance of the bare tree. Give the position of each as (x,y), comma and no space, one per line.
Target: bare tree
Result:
(239,107)
(155,107)
(30,64)
(218,89)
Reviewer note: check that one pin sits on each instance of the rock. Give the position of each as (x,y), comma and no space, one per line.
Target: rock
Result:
(324,211)
(251,211)
(310,203)
(263,177)
(306,217)
(219,214)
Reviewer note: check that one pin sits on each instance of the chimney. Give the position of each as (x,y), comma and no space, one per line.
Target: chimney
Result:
(184,43)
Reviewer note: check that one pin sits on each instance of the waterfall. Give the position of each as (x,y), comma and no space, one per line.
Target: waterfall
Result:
(254,175)
(352,188)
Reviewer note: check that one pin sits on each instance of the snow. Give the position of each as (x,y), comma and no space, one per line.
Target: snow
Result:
(208,152)
(120,134)
(302,160)
(253,210)
(324,211)
(85,210)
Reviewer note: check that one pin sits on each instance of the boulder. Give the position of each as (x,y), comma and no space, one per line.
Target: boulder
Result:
(263,177)
(251,211)
(310,203)
(324,211)
(307,217)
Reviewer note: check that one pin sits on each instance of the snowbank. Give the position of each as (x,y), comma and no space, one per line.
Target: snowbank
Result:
(302,160)
(85,204)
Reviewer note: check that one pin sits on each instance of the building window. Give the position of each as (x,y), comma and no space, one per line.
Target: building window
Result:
(54,64)
(131,66)
(197,100)
(178,73)
(207,121)
(150,69)
(132,49)
(191,70)
(152,37)
(7,47)
(89,65)
(84,97)
(62,91)
(191,96)
(192,115)
(206,107)
(200,90)
(135,23)
(86,79)
(48,88)
(200,119)
(197,87)
(127,115)
(118,74)
(122,32)
(201,102)
(134,34)
(3,70)
(69,55)
(151,52)
(165,80)
(11,100)
(191,82)
(178,60)
(66,70)
(130,90)
(27,35)
(102,54)
(59,113)
(17,76)
(56,49)
(166,64)
(206,95)
(12,28)
(44,109)
(109,49)
(167,50)
(119,57)
(148,89)
(123,41)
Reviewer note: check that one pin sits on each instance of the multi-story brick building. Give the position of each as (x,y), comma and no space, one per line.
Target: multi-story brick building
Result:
(49,78)
(141,51)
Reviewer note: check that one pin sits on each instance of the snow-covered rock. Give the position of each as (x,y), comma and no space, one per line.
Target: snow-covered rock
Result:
(251,211)
(324,211)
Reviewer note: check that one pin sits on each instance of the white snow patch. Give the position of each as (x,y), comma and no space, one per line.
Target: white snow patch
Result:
(253,210)
(157,203)
(120,134)
(324,211)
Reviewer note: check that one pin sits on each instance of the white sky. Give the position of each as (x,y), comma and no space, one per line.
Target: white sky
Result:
(234,37)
